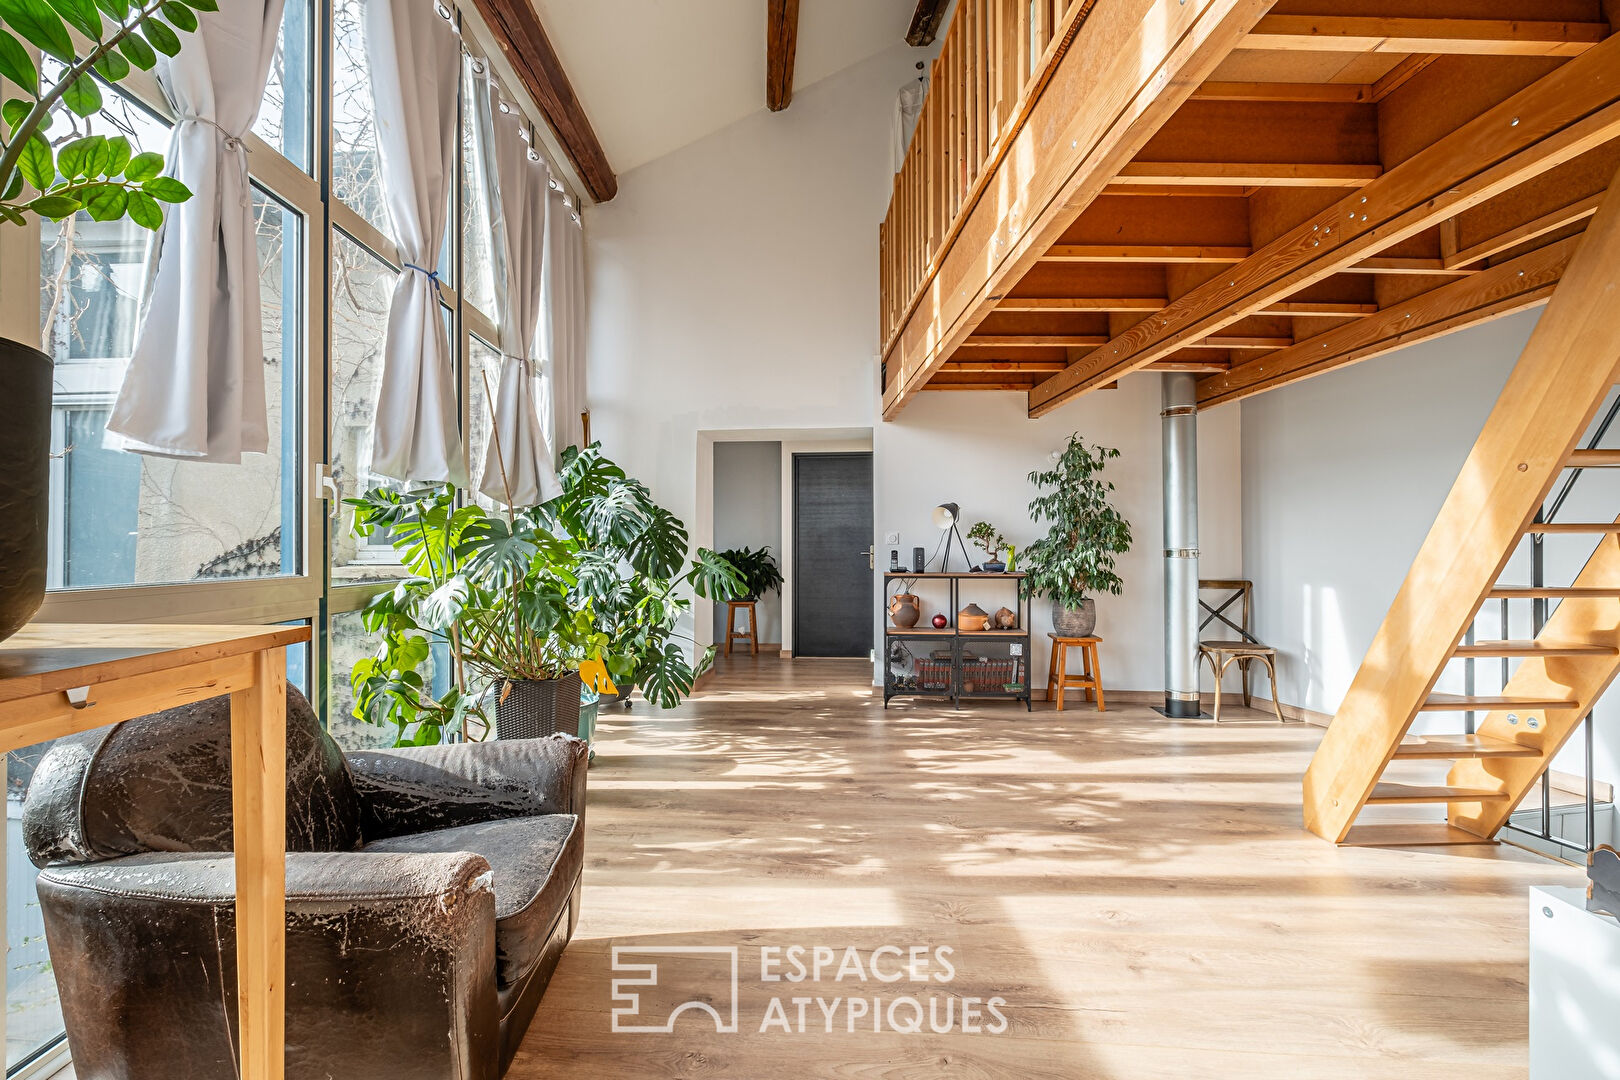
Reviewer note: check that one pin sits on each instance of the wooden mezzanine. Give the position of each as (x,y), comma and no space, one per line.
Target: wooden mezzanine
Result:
(1255,191)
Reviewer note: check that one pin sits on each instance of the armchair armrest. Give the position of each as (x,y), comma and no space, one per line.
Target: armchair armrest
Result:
(421,789)
(386,954)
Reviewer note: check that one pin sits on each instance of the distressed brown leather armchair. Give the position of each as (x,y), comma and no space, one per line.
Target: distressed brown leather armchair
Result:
(430,893)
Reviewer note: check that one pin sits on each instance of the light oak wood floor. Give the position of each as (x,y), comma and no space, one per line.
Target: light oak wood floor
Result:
(1139,891)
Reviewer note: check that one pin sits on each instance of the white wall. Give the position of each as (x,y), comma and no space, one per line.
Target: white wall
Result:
(734,295)
(1343,475)
(748,513)
(977,450)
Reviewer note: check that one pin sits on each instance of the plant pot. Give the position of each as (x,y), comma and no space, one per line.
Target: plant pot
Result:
(1075,622)
(994,567)
(533,709)
(25,471)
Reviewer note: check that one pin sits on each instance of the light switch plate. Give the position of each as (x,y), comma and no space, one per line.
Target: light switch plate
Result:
(891,538)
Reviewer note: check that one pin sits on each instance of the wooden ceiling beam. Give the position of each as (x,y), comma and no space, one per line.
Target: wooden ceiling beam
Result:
(1513,286)
(1568,112)
(978,366)
(925,22)
(1089,305)
(523,41)
(1551,221)
(1144,253)
(1161,174)
(781,43)
(1032,341)
(1402,264)
(1381,34)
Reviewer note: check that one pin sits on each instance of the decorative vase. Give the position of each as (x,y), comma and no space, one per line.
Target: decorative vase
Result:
(1012,559)
(533,709)
(973,617)
(1075,622)
(904,610)
(25,469)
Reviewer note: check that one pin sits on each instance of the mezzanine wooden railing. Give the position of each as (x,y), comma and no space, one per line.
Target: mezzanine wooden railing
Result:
(997,57)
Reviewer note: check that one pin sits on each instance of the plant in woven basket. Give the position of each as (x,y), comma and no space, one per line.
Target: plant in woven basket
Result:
(1075,559)
(758,570)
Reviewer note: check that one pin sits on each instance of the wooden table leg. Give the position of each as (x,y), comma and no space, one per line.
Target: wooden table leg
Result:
(753,632)
(259,803)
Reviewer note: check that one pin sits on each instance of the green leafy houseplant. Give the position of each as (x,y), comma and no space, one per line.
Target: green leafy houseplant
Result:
(598,573)
(634,576)
(987,539)
(1075,559)
(105,177)
(758,569)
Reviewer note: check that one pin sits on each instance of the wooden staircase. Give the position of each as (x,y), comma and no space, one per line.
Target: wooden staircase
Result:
(1569,367)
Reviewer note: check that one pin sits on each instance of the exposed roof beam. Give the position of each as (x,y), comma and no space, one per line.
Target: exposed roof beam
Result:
(1144,253)
(1003,365)
(1567,112)
(523,40)
(1485,37)
(1551,221)
(1242,174)
(925,22)
(1401,264)
(781,42)
(1501,290)
(1032,341)
(1066,305)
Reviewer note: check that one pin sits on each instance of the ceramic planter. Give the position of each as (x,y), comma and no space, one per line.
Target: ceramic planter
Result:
(25,459)
(1075,622)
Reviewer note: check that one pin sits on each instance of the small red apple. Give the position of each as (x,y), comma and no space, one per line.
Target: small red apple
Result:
(941,622)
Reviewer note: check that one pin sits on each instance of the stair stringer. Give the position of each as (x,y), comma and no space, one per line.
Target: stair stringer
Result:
(1549,401)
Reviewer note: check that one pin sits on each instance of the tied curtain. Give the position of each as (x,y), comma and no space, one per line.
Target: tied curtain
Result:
(518,468)
(415,61)
(194,387)
(563,315)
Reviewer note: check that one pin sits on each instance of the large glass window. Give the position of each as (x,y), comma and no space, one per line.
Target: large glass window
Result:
(356,165)
(284,117)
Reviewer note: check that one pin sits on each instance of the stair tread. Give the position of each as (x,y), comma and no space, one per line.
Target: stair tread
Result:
(1589,459)
(1410,834)
(1447,702)
(1533,648)
(1553,592)
(1460,746)
(1575,527)
(1388,792)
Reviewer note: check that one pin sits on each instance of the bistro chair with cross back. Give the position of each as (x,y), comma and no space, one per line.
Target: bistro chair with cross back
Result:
(1243,651)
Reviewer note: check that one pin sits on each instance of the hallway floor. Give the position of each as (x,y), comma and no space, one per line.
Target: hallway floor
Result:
(1138,891)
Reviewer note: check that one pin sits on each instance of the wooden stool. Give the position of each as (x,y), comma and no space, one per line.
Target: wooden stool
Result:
(1090,679)
(1223,654)
(732,633)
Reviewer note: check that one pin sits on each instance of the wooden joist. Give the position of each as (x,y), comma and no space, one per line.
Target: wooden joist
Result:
(1132,63)
(1489,37)
(1501,290)
(1551,396)
(781,43)
(1564,114)
(523,41)
(1245,174)
(1145,253)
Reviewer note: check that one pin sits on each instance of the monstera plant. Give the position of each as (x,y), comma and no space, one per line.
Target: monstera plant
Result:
(521,601)
(53,166)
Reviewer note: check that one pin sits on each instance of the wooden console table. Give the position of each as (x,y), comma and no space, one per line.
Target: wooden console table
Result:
(60,678)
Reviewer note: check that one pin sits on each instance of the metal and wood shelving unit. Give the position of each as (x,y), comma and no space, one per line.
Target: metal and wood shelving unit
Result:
(957,686)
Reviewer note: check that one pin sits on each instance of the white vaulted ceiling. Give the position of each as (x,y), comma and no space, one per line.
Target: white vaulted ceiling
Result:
(654,75)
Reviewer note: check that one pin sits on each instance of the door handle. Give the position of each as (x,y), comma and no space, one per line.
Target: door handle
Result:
(871,557)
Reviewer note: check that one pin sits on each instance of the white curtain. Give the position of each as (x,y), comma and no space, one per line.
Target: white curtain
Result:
(562,330)
(518,467)
(415,59)
(194,388)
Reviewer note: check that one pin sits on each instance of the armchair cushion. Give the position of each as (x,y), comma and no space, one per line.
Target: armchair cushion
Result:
(163,783)
(536,862)
(420,789)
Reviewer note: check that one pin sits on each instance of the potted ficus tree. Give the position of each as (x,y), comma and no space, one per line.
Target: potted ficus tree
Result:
(52,166)
(1075,559)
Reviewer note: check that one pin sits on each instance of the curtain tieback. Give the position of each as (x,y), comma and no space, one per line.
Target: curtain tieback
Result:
(528,365)
(432,275)
(233,143)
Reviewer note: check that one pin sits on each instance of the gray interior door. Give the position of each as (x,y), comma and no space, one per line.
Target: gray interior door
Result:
(832,569)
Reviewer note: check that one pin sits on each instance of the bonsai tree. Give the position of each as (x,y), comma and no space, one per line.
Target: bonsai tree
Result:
(988,540)
(74,171)
(1075,559)
(758,570)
